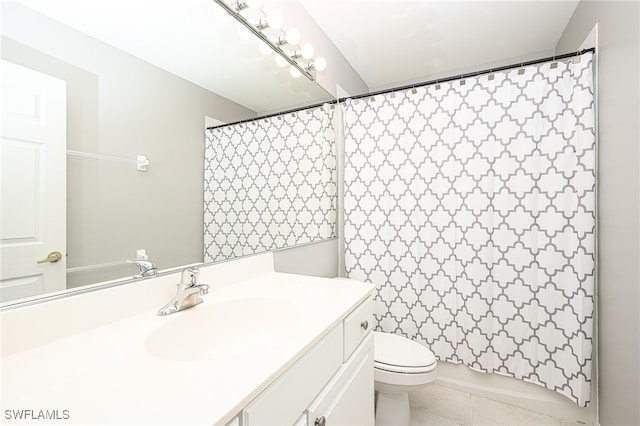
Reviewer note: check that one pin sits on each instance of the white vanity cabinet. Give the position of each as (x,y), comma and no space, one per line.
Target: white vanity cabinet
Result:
(348,398)
(331,384)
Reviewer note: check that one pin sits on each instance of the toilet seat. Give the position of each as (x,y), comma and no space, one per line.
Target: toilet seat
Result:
(398,354)
(403,369)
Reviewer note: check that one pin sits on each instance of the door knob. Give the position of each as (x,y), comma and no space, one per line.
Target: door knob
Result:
(52,257)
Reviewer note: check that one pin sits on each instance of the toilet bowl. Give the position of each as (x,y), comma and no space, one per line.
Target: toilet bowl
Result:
(400,366)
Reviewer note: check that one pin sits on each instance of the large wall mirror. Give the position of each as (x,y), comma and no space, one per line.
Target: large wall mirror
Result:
(140,79)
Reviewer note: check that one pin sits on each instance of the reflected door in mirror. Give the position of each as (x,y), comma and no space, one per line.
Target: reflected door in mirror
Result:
(33,183)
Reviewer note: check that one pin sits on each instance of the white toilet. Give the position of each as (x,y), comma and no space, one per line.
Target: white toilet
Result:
(400,366)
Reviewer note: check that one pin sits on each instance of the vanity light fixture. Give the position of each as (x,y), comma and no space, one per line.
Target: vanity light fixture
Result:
(269,31)
(319,64)
(251,4)
(274,20)
(292,37)
(305,52)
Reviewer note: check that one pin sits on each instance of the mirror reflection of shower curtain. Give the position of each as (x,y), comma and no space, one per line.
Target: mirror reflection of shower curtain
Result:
(269,183)
(471,205)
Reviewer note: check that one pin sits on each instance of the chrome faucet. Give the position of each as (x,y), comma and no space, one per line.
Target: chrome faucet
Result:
(147,268)
(188,295)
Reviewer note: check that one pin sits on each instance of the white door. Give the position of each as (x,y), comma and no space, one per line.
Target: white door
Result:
(33,185)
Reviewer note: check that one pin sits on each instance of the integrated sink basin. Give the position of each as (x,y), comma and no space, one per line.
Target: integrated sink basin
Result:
(205,331)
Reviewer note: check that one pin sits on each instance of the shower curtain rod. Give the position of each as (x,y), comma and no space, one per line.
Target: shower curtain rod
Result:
(415,85)
(290,111)
(471,74)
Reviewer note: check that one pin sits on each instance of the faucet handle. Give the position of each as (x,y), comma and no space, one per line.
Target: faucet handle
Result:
(190,276)
(147,267)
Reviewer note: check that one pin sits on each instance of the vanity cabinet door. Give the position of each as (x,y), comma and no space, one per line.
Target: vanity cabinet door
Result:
(349,399)
(286,399)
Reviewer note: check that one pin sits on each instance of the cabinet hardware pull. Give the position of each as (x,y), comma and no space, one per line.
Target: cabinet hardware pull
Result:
(321,421)
(364,324)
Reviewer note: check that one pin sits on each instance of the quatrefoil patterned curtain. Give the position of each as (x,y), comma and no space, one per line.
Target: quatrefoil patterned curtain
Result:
(269,184)
(471,206)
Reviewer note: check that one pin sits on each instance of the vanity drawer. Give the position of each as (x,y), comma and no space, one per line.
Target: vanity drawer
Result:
(357,325)
(286,399)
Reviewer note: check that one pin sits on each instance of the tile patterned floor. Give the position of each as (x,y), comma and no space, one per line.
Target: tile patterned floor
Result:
(439,405)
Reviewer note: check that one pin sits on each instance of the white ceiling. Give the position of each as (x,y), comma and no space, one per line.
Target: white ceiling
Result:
(393,41)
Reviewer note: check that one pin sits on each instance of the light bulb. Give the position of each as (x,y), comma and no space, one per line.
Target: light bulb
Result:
(254,4)
(281,62)
(275,19)
(292,36)
(264,48)
(307,51)
(295,72)
(320,64)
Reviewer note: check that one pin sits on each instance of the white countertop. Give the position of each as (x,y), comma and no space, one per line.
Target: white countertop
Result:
(106,375)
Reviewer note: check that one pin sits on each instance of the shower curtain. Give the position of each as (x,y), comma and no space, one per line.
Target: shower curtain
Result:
(471,205)
(269,183)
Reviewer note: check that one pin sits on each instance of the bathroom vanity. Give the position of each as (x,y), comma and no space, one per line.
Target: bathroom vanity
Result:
(263,348)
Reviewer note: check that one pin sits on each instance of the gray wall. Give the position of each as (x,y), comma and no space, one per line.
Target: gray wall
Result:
(121,106)
(619,191)
(318,259)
